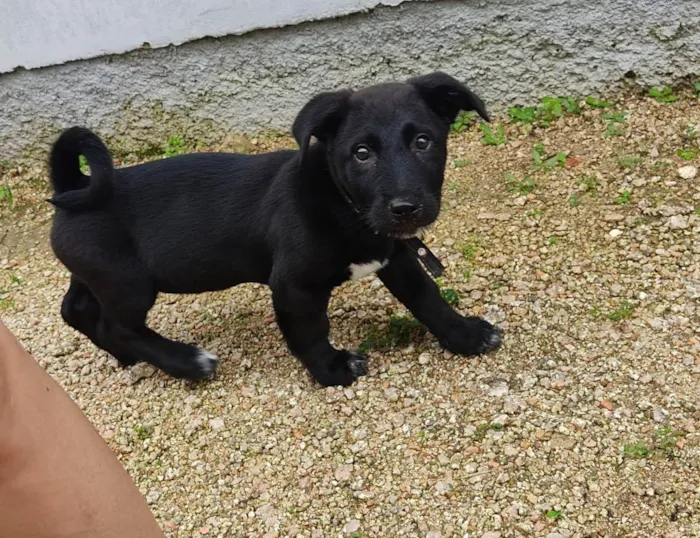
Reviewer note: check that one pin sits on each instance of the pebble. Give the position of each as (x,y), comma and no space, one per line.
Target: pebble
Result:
(424,358)
(351,526)
(615,233)
(687,172)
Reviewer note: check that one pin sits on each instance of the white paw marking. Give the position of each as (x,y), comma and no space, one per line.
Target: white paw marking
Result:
(359,271)
(207,361)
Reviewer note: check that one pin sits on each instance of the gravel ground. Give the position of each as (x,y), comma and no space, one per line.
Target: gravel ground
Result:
(586,422)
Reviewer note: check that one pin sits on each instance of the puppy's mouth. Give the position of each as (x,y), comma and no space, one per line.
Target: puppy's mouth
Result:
(406,232)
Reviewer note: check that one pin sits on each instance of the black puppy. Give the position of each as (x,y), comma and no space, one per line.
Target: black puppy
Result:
(301,221)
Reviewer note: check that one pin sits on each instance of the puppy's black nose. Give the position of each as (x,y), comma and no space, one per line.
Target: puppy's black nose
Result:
(402,208)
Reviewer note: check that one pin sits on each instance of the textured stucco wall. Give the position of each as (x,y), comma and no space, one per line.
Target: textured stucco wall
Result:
(507,50)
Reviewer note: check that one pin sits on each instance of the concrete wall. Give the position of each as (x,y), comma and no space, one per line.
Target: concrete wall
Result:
(38,33)
(509,51)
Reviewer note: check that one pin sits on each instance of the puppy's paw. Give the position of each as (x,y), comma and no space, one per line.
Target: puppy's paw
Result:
(472,336)
(342,369)
(193,364)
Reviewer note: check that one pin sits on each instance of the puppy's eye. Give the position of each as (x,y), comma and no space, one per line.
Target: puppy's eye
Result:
(362,153)
(422,142)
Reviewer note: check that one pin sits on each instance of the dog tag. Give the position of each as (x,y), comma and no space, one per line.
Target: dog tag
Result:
(427,258)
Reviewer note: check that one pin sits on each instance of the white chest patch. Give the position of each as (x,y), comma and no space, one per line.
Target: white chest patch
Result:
(359,271)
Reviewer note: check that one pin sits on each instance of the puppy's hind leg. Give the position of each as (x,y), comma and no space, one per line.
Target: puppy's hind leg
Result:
(122,328)
(81,310)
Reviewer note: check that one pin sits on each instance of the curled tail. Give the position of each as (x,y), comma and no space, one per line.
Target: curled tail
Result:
(73,190)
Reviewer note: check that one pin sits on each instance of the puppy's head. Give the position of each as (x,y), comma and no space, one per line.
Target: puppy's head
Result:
(386,146)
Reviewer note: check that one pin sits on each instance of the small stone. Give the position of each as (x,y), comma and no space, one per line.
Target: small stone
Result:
(391,394)
(660,414)
(615,233)
(498,389)
(433,534)
(216,423)
(424,358)
(654,153)
(140,371)
(351,526)
(688,172)
(491,534)
(555,535)
(152,497)
(343,473)
(349,393)
(677,222)
(443,486)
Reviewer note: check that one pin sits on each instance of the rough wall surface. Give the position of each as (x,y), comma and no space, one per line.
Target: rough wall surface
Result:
(509,51)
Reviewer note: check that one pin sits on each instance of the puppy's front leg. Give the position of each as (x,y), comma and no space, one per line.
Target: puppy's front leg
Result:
(302,318)
(409,283)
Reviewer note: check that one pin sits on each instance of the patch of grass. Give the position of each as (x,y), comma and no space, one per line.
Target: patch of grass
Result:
(589,184)
(623,199)
(523,114)
(697,88)
(461,163)
(470,247)
(546,162)
(616,117)
(467,274)
(143,432)
(452,186)
(612,130)
(520,186)
(462,122)
(7,197)
(696,211)
(83,164)
(598,103)
(549,110)
(636,450)
(399,333)
(483,428)
(7,302)
(630,161)
(355,534)
(622,312)
(665,440)
(14,279)
(175,146)
(595,311)
(688,153)
(450,295)
(534,213)
(552,240)
(492,138)
(554,515)
(663,95)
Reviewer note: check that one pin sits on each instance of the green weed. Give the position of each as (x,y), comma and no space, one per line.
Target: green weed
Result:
(534,213)
(461,163)
(616,117)
(546,162)
(520,186)
(623,199)
(630,161)
(143,432)
(83,164)
(450,296)
(521,114)
(624,311)
(399,333)
(490,138)
(589,184)
(636,450)
(663,95)
(7,197)
(598,103)
(549,110)
(462,122)
(552,240)
(554,515)
(175,146)
(688,153)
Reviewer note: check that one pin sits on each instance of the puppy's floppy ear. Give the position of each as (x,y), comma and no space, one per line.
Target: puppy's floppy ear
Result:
(447,96)
(320,117)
